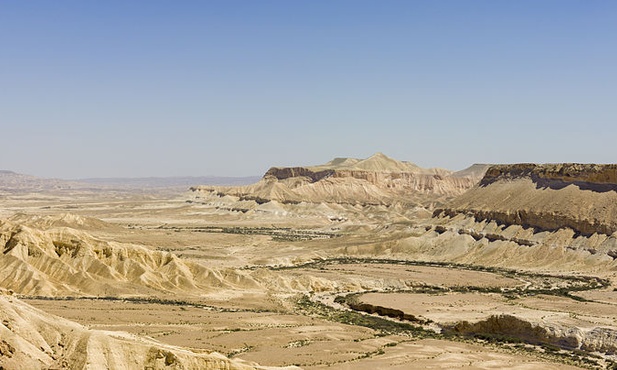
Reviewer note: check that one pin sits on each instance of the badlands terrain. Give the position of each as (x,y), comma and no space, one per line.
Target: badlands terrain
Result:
(355,264)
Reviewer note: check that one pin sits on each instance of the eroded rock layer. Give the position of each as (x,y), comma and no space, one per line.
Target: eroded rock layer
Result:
(39,258)
(545,197)
(378,180)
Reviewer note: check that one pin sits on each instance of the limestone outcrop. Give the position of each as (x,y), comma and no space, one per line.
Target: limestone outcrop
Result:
(549,197)
(598,177)
(513,328)
(378,180)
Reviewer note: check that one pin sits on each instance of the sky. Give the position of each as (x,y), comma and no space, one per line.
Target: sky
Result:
(230,88)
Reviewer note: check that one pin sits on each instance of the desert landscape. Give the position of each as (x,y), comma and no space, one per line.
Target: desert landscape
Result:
(308,185)
(367,263)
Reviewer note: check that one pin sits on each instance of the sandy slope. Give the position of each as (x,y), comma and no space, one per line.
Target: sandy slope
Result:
(376,180)
(546,197)
(33,339)
(40,259)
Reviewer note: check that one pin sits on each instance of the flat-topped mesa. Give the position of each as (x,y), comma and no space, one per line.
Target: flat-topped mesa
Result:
(377,180)
(599,177)
(374,177)
(547,197)
(282,173)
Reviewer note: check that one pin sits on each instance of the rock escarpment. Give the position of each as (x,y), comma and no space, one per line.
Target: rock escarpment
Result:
(378,180)
(549,197)
(513,328)
(598,177)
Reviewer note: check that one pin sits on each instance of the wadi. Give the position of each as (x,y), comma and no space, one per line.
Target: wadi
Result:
(368,263)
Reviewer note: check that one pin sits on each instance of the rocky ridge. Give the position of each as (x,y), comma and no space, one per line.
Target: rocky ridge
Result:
(378,180)
(549,197)
(595,339)
(41,258)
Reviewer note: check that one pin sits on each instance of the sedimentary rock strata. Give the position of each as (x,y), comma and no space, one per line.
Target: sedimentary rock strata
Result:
(378,180)
(544,197)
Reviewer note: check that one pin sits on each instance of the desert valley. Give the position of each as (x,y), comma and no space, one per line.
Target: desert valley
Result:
(367,263)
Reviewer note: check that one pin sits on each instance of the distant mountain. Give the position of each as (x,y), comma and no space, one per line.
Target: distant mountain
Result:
(378,162)
(377,180)
(167,182)
(13,182)
(475,170)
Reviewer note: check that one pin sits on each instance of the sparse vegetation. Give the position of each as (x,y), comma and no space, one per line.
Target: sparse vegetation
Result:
(217,308)
(546,284)
(540,283)
(277,233)
(381,325)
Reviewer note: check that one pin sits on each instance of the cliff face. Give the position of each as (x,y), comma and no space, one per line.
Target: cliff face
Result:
(427,183)
(556,176)
(375,180)
(582,197)
(598,339)
(282,173)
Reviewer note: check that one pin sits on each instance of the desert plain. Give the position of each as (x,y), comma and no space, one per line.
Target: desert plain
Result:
(355,264)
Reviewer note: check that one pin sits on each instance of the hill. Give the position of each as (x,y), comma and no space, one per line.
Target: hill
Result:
(49,256)
(377,180)
(33,339)
(540,216)
(12,182)
(549,197)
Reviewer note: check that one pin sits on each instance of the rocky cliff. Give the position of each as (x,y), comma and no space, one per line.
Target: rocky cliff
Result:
(378,180)
(549,197)
(509,327)
(597,177)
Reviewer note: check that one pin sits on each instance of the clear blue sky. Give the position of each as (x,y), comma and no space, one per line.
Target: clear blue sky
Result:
(230,88)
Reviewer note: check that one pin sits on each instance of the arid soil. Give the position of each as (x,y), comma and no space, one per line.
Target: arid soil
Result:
(179,279)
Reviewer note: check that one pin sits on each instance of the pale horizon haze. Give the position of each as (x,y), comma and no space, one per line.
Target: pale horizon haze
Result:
(231,88)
